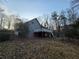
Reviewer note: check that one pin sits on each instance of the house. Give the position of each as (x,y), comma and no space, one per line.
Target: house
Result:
(37,30)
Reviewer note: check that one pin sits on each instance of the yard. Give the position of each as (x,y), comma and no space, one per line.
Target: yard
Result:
(38,49)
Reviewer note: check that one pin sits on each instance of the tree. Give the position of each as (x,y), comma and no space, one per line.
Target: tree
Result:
(74,31)
(46,24)
(1,19)
(75,3)
(71,15)
(22,29)
(44,20)
(55,18)
(4,19)
(9,24)
(62,18)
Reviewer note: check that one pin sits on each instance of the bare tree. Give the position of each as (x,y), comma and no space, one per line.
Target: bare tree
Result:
(62,18)
(54,16)
(46,24)
(1,19)
(74,3)
(71,15)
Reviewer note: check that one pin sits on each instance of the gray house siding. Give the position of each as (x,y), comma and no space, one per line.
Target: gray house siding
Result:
(35,27)
(32,25)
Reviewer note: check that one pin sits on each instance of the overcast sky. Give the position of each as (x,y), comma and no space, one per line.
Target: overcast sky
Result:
(34,8)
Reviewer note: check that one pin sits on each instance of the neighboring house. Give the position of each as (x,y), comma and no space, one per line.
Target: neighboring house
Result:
(37,30)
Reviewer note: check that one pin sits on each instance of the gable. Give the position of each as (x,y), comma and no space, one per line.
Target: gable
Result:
(33,24)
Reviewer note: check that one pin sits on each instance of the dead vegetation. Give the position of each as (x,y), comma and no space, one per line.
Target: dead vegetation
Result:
(38,49)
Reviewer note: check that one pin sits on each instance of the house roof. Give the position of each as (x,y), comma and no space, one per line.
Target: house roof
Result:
(43,29)
(33,20)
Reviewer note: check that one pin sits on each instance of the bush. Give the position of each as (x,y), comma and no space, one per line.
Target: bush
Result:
(4,35)
(72,33)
